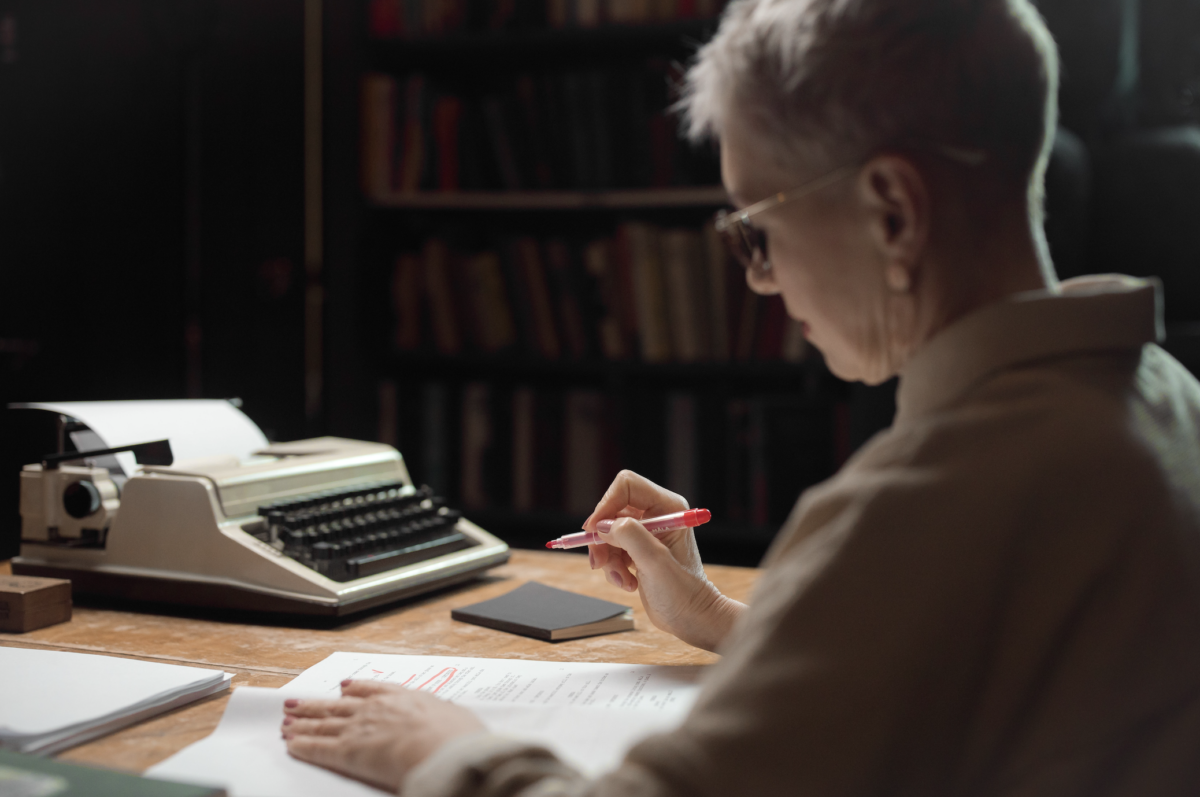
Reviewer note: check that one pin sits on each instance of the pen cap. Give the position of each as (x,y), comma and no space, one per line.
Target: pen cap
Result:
(696,517)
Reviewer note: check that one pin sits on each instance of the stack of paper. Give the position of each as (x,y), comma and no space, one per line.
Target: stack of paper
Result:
(589,714)
(51,700)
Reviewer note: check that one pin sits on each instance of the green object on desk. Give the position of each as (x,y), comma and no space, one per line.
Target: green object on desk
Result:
(29,776)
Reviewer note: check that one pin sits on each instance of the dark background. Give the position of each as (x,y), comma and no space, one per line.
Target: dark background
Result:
(152,219)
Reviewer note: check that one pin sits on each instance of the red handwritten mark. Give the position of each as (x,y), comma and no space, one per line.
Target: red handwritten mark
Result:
(450,670)
(377,672)
(409,678)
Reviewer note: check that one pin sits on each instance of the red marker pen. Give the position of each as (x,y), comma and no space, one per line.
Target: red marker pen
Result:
(686,519)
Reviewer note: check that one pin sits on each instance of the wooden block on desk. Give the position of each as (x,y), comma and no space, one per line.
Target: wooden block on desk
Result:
(28,603)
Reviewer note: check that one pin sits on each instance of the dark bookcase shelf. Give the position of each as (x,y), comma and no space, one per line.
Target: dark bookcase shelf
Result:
(808,376)
(518,48)
(598,238)
(630,199)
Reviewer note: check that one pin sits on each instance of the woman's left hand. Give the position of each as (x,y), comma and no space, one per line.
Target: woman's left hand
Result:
(377,732)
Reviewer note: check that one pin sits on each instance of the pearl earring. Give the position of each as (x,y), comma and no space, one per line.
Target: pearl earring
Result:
(898,279)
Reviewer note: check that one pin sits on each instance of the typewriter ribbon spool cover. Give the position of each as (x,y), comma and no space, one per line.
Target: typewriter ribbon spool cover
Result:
(326,526)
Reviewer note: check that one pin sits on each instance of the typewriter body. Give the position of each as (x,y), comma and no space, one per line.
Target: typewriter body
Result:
(326,526)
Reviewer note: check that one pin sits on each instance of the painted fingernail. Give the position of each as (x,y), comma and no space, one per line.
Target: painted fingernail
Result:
(346,682)
(615,579)
(287,737)
(287,720)
(291,702)
(592,560)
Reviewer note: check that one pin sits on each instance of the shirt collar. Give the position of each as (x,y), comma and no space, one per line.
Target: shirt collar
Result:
(1101,313)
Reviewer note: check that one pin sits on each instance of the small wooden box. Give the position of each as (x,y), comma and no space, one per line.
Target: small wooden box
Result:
(28,603)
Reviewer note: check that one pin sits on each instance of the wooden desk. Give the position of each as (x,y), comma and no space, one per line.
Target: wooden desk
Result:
(271,655)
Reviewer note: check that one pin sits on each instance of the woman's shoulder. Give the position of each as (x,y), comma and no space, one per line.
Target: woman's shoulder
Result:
(1059,447)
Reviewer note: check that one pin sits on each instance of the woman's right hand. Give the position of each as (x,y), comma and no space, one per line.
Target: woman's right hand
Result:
(666,569)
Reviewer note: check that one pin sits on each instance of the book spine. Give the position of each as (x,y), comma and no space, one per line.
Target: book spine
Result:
(644,263)
(502,145)
(687,306)
(447,119)
(584,453)
(388,427)
(378,134)
(524,448)
(533,277)
(558,14)
(759,494)
(737,471)
(559,269)
(406,301)
(611,332)
(717,265)
(435,442)
(533,134)
(494,306)
(682,456)
(795,345)
(576,113)
(549,450)
(476,439)
(439,292)
(384,19)
(413,158)
(662,150)
(600,127)
(748,320)
(769,343)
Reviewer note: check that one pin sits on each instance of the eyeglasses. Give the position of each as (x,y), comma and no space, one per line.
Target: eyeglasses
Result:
(748,243)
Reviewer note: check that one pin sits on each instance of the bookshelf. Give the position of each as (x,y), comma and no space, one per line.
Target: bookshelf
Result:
(631,199)
(523,421)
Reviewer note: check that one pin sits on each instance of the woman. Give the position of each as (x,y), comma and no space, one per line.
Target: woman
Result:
(998,595)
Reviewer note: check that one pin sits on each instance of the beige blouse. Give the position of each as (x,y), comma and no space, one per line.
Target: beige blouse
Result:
(998,596)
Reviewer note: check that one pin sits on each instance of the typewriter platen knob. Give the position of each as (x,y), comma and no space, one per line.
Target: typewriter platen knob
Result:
(81,499)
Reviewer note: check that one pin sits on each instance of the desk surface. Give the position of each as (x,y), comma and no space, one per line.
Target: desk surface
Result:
(271,655)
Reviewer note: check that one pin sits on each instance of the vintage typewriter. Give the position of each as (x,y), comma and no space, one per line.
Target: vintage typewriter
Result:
(326,526)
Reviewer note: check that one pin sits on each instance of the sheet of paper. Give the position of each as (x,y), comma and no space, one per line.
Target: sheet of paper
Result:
(481,682)
(48,744)
(247,756)
(50,697)
(589,714)
(197,428)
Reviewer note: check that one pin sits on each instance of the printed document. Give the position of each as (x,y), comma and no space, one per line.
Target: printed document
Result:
(589,714)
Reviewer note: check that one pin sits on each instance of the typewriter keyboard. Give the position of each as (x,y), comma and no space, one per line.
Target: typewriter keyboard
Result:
(351,533)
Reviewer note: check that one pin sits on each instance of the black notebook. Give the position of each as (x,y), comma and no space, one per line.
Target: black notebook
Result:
(543,612)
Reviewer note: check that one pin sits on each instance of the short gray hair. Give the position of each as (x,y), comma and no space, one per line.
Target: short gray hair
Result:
(848,77)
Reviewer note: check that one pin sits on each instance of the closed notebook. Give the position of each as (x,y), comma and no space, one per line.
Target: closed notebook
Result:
(542,612)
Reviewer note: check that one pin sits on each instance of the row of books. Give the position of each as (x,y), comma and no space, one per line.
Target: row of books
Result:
(599,129)
(410,19)
(650,293)
(493,446)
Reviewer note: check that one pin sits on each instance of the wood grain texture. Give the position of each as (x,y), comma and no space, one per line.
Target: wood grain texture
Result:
(265,652)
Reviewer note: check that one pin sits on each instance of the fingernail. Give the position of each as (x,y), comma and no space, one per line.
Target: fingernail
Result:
(592,560)
(287,736)
(346,682)
(291,702)
(287,720)
(615,579)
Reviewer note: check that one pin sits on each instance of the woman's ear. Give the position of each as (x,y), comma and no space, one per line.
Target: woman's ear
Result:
(898,203)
